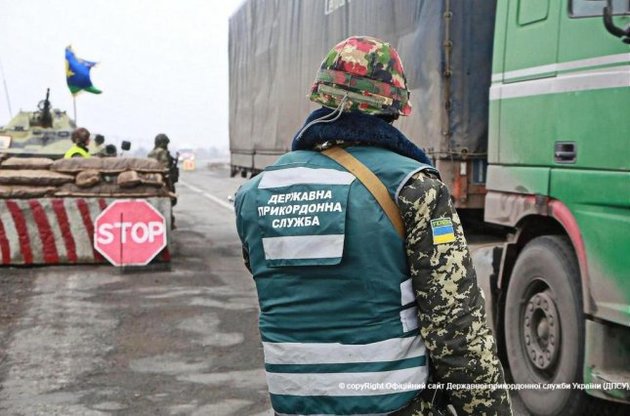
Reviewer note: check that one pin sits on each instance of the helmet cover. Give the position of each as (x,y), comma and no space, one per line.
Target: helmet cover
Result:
(366,70)
(161,140)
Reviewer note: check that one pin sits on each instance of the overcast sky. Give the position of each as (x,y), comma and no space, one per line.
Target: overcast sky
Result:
(163,65)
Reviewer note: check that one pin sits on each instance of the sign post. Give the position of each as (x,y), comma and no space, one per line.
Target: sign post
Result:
(130,233)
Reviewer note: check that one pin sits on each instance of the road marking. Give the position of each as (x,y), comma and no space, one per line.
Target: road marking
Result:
(208,196)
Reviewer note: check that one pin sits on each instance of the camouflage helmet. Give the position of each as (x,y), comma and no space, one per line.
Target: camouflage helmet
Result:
(161,140)
(81,136)
(369,72)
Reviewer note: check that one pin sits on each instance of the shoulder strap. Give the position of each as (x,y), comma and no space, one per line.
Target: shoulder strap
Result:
(371,182)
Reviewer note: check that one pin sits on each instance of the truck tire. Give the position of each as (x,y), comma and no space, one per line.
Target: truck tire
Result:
(544,326)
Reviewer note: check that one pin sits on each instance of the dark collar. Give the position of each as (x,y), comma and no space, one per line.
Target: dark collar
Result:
(359,128)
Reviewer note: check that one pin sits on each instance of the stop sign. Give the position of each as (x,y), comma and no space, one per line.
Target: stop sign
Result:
(129,233)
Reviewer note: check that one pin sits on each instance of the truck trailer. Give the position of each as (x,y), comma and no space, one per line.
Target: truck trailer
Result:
(523,107)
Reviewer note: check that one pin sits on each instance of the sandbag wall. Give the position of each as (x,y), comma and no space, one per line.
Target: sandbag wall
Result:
(48,208)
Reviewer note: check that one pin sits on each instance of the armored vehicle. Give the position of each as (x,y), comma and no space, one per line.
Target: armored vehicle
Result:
(44,132)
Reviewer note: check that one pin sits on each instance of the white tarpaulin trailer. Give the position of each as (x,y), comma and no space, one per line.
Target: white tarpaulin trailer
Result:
(276,47)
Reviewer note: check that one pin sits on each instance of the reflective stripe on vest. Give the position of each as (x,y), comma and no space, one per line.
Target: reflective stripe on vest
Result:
(363,383)
(303,175)
(394,349)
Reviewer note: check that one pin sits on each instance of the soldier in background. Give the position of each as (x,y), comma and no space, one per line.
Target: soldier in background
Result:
(97,147)
(81,139)
(160,150)
(161,154)
(110,151)
(339,284)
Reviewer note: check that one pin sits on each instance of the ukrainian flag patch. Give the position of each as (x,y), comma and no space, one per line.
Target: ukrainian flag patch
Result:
(442,229)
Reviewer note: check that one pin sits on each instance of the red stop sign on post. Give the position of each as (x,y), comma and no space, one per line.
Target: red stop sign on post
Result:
(129,233)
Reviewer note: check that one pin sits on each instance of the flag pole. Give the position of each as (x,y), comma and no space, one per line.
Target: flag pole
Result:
(74,104)
(6,90)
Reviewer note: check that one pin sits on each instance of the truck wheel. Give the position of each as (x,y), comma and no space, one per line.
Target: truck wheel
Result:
(544,326)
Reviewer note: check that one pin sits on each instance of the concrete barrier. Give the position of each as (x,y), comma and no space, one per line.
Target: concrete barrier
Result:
(59,230)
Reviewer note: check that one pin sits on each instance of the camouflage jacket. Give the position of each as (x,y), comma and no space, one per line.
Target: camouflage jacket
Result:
(461,347)
(161,155)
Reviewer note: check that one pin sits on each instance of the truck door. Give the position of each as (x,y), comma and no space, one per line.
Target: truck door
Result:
(527,120)
(593,89)
(591,164)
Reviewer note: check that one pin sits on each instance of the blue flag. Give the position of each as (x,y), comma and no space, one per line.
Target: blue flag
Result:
(78,73)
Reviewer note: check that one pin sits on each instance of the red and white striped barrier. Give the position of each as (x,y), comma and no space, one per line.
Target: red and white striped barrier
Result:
(57,230)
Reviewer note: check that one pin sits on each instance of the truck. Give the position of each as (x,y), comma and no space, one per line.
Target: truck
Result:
(522,106)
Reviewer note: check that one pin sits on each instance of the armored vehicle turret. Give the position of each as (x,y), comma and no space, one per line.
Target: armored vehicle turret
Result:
(42,133)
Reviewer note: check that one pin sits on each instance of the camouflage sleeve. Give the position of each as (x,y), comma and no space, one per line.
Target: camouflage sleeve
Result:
(452,317)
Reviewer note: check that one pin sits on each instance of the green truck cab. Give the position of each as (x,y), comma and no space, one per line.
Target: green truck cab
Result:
(559,177)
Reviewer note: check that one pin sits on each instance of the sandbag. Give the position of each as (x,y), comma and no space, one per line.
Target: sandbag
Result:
(141,165)
(87,178)
(128,179)
(111,190)
(33,177)
(25,192)
(76,164)
(151,179)
(107,165)
(26,163)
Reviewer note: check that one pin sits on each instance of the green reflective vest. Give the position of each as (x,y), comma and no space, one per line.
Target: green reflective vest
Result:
(337,310)
(76,150)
